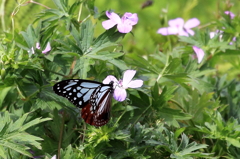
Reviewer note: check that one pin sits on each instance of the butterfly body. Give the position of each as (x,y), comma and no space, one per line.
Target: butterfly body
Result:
(93,97)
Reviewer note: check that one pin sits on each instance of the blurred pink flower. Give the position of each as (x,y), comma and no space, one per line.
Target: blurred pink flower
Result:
(124,24)
(230,14)
(199,52)
(212,34)
(233,40)
(120,86)
(47,49)
(177,27)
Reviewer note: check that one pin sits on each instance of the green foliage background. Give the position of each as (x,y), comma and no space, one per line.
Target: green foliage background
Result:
(184,110)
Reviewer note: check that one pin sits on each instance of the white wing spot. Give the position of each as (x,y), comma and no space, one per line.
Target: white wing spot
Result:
(74,90)
(80,103)
(74,98)
(78,88)
(70,94)
(64,91)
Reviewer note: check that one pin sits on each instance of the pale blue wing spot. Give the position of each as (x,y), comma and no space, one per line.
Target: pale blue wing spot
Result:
(79,95)
(89,85)
(70,84)
(68,89)
(84,90)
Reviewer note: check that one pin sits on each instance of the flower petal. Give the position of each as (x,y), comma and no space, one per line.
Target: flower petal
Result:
(178,22)
(189,31)
(135,84)
(119,94)
(47,49)
(130,19)
(110,78)
(31,51)
(191,23)
(107,24)
(232,15)
(168,31)
(38,46)
(212,34)
(54,157)
(113,17)
(200,53)
(127,77)
(124,28)
(163,31)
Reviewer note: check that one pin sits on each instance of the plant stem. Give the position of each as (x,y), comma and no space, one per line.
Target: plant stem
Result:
(119,118)
(2,14)
(61,136)
(80,12)
(163,70)
(141,115)
(39,4)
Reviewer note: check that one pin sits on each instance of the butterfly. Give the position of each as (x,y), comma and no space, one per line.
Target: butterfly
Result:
(93,97)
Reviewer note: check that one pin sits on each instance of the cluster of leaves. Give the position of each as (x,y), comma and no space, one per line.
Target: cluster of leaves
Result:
(185,110)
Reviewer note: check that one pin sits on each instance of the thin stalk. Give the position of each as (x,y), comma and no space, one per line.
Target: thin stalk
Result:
(84,132)
(2,14)
(39,4)
(141,115)
(80,12)
(119,118)
(163,70)
(61,136)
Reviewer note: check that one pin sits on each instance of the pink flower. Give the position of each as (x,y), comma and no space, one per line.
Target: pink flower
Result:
(47,49)
(124,24)
(199,52)
(120,86)
(177,27)
(212,34)
(230,14)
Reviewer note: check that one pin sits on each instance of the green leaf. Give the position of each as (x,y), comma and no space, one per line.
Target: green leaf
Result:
(105,56)
(61,4)
(178,78)
(172,114)
(119,63)
(2,152)
(4,91)
(86,36)
(13,135)
(16,147)
(105,40)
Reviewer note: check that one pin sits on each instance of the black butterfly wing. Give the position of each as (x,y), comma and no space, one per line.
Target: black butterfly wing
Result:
(97,111)
(77,91)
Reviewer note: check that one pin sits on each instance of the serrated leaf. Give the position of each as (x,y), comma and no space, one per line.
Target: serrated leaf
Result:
(2,152)
(119,63)
(16,147)
(105,56)
(61,4)
(105,40)
(170,114)
(86,36)
(33,122)
(4,92)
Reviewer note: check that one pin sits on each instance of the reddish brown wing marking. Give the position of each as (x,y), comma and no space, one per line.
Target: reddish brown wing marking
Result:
(97,111)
